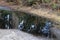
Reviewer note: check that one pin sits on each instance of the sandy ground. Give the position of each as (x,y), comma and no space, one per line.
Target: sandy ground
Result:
(18,35)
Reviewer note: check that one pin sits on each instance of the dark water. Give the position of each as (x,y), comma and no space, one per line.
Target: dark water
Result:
(34,24)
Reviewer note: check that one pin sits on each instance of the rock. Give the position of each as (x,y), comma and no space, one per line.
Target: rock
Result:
(13,34)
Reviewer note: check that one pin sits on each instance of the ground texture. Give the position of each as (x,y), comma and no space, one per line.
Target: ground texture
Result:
(18,35)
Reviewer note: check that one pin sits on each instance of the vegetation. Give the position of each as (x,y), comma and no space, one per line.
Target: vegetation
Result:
(4,12)
(30,19)
(5,19)
(54,6)
(51,3)
(47,1)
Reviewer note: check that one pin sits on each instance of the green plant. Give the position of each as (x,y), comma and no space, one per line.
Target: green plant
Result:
(31,2)
(47,1)
(54,5)
(5,12)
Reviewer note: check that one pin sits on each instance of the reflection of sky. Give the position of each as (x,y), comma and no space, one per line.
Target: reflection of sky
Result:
(8,16)
(47,27)
(7,26)
(32,26)
(4,8)
(21,24)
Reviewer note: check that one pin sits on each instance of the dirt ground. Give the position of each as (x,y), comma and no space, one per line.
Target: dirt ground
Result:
(14,34)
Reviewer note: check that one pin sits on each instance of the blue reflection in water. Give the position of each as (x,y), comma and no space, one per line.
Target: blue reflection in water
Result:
(32,29)
(46,29)
(21,25)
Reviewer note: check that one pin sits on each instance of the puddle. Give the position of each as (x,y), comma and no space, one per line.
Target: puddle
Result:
(25,22)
